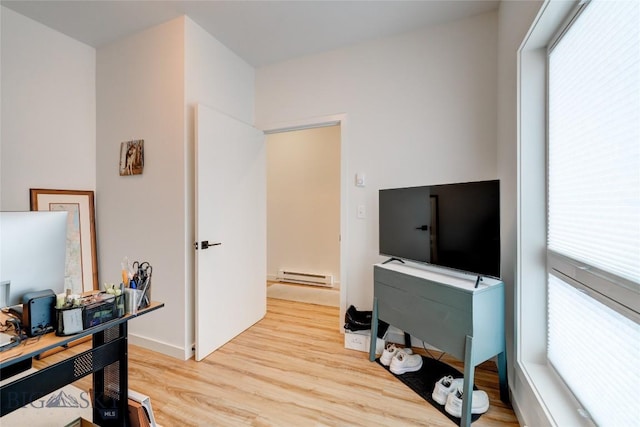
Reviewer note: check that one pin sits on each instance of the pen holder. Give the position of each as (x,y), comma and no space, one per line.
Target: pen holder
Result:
(144,298)
(142,282)
(131,300)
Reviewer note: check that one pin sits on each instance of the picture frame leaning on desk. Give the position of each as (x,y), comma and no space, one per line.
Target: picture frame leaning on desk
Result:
(81,270)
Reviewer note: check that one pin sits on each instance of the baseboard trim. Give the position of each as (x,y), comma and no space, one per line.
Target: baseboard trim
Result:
(274,278)
(160,347)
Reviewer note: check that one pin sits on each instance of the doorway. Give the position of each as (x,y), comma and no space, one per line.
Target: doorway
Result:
(304,214)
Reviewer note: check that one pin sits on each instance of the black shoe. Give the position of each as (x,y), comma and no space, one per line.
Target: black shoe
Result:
(357,320)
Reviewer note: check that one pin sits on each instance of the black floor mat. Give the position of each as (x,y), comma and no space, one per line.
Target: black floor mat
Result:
(423,381)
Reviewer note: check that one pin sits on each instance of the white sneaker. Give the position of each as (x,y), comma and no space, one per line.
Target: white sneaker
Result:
(444,387)
(403,362)
(389,351)
(479,402)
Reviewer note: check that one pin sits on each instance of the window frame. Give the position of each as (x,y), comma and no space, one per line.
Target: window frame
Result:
(619,294)
(540,396)
(614,292)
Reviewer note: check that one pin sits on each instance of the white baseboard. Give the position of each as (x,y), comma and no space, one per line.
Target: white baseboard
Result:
(160,347)
(274,278)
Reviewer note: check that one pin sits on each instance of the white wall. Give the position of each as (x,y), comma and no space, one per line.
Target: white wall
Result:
(218,78)
(48,111)
(1,9)
(421,109)
(303,201)
(140,95)
(514,20)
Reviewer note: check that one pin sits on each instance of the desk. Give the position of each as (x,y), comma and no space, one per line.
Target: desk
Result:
(106,360)
(446,311)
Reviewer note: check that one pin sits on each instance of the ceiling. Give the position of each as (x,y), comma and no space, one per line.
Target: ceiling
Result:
(261,32)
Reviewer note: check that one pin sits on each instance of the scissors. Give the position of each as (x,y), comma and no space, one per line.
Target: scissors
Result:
(142,277)
(142,270)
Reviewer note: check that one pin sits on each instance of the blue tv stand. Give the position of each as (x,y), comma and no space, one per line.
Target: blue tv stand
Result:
(447,311)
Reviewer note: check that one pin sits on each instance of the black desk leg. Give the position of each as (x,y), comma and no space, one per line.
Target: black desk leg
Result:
(110,384)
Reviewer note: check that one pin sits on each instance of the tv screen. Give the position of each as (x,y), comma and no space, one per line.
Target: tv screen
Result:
(452,225)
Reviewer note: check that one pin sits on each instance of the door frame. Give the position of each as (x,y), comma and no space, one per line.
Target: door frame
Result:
(315,122)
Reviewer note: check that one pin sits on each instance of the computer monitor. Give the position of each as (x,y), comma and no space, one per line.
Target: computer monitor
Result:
(32,252)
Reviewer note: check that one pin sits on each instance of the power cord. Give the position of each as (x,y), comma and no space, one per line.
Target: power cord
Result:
(19,336)
(431,355)
(14,323)
(40,330)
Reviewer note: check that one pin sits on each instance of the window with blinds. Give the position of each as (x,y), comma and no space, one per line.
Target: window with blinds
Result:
(594,209)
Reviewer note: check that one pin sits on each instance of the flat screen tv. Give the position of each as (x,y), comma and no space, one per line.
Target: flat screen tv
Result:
(451,225)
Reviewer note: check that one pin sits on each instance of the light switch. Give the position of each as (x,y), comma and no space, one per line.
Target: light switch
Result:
(360,179)
(362,213)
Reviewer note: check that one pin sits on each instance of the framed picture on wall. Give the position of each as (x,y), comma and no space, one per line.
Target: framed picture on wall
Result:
(81,271)
(132,157)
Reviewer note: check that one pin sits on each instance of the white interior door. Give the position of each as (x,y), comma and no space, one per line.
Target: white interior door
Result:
(230,290)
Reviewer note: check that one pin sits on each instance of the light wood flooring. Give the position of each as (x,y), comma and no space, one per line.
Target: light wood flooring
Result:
(290,369)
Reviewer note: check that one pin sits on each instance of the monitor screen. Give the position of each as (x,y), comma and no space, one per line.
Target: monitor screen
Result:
(451,225)
(32,252)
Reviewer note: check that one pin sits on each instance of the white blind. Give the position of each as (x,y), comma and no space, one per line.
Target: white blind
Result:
(596,351)
(594,139)
(594,209)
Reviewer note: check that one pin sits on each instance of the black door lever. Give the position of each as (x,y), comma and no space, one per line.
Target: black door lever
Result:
(423,228)
(206,245)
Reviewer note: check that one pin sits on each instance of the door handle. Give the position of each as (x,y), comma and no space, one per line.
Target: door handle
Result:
(205,244)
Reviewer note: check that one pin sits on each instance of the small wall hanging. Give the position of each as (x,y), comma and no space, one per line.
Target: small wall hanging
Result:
(132,157)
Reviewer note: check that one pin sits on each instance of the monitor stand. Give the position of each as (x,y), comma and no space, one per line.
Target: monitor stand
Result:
(393,259)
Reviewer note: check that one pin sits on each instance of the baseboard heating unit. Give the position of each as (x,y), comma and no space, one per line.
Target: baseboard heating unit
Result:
(305,278)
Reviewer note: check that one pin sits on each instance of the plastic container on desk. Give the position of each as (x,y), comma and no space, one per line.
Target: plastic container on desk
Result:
(102,311)
(69,320)
(90,312)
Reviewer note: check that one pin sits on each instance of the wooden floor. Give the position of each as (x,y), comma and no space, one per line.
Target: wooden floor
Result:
(290,369)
